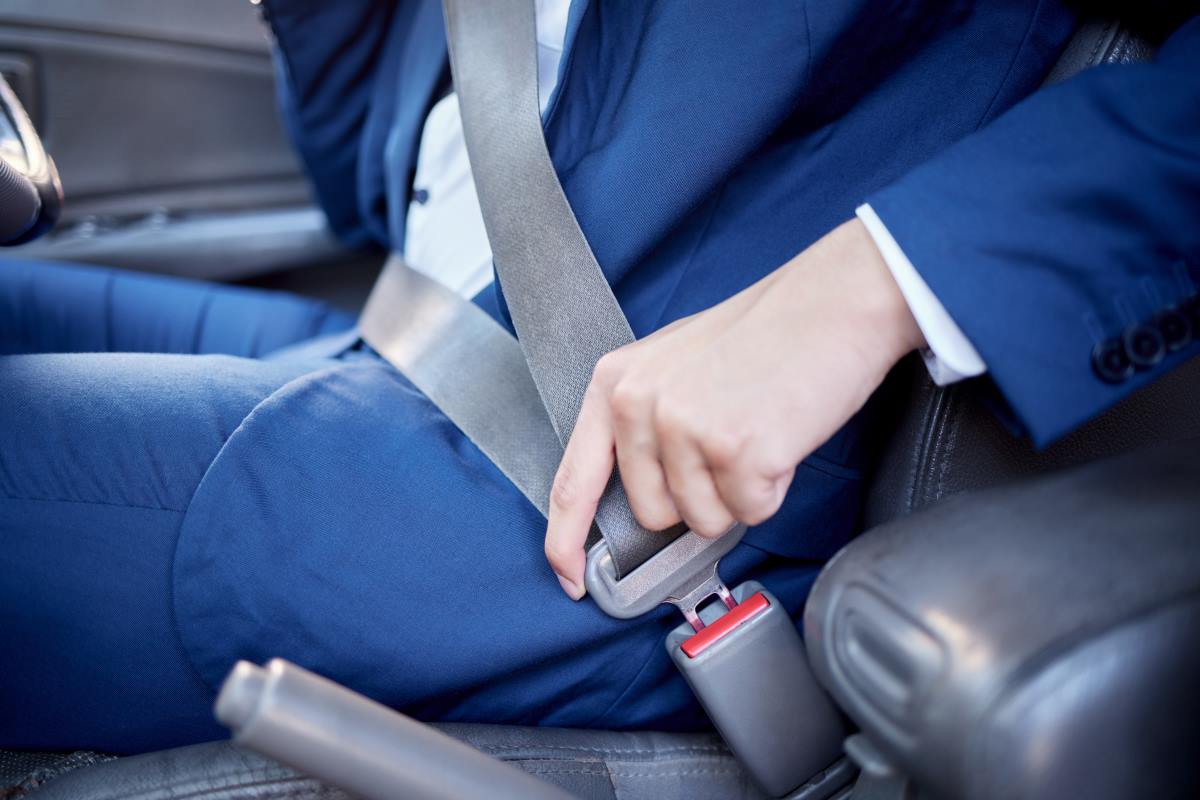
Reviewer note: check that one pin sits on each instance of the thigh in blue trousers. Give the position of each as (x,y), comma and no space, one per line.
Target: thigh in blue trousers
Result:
(205,496)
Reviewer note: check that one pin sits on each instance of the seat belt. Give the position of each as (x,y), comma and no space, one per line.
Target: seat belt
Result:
(747,665)
(470,367)
(562,306)
(563,309)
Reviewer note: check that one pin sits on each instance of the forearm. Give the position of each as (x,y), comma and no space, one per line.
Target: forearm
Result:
(862,303)
(1061,227)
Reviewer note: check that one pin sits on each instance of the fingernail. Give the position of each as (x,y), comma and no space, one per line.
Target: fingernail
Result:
(573,590)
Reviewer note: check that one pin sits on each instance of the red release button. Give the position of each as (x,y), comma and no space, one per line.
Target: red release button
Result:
(704,639)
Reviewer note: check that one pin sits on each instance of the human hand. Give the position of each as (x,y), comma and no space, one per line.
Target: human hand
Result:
(708,417)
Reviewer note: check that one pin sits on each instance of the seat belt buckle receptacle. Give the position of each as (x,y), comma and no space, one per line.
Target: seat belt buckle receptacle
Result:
(740,653)
(750,672)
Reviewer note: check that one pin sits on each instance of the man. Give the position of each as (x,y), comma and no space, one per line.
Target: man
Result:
(315,506)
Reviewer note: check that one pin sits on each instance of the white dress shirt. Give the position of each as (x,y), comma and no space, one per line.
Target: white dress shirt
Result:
(445,237)
(444,234)
(949,356)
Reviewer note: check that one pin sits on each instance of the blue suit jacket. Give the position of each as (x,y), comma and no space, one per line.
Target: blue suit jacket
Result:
(702,145)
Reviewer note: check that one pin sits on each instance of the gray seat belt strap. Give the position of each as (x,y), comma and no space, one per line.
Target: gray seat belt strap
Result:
(562,307)
(469,367)
(561,304)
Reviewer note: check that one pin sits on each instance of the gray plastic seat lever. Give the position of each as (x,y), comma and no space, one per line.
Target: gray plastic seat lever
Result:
(346,740)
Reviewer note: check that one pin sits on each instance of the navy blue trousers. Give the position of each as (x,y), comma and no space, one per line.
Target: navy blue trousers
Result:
(192,474)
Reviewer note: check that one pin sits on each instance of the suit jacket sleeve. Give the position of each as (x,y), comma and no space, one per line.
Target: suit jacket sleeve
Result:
(1066,235)
(326,57)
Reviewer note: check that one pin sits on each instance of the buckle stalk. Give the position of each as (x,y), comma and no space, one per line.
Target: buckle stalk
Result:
(712,586)
(745,663)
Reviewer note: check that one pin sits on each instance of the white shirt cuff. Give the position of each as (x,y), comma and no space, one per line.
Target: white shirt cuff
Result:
(950,357)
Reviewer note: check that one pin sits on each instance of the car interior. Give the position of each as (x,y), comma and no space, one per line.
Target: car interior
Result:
(1013,622)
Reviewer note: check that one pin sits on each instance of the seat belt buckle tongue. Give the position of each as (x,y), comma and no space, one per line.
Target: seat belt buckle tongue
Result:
(683,573)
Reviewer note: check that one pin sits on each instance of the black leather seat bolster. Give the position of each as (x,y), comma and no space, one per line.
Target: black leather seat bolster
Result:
(945,441)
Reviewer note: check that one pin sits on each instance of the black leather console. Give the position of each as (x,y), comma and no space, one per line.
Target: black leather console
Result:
(1031,642)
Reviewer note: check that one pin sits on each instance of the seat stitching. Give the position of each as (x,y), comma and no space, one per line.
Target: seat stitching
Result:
(616,751)
(948,440)
(928,451)
(675,774)
(282,791)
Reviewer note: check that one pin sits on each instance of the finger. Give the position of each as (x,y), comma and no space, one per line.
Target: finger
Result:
(692,488)
(750,494)
(582,475)
(638,459)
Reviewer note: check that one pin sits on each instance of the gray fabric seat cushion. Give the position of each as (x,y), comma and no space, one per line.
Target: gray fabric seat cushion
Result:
(22,772)
(589,764)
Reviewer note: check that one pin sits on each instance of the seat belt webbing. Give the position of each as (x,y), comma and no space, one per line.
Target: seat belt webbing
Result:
(511,398)
(562,307)
(470,367)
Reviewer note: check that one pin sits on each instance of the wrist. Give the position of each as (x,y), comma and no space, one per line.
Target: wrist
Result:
(864,299)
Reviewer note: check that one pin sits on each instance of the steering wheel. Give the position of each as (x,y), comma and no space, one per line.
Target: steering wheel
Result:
(30,192)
